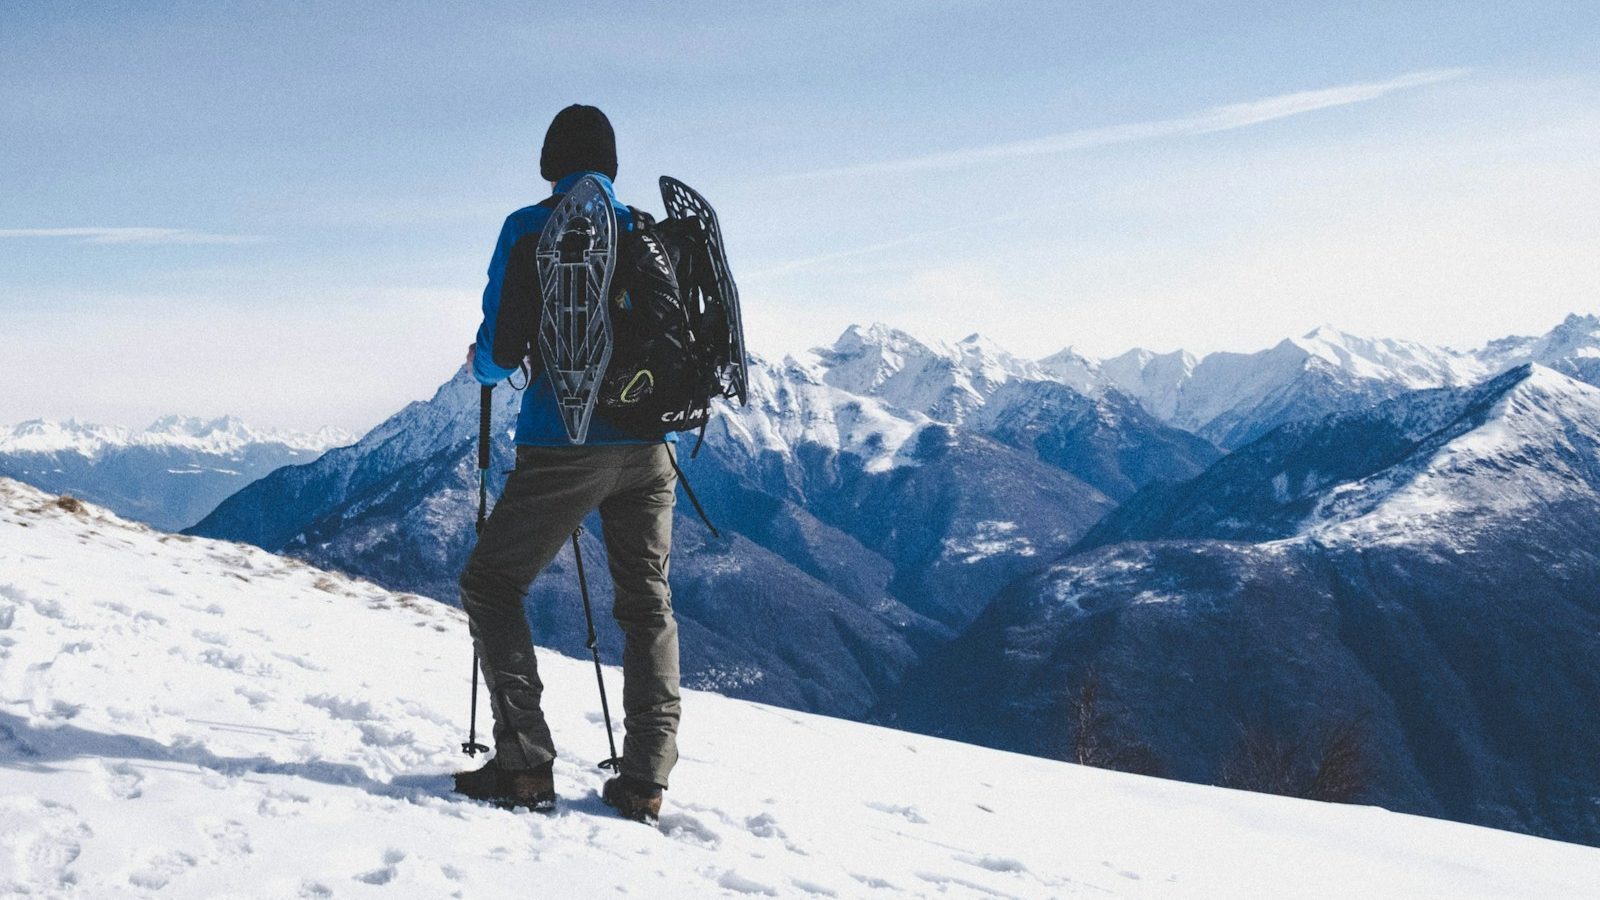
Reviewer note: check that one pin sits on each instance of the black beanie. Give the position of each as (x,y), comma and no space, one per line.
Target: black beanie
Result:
(580,139)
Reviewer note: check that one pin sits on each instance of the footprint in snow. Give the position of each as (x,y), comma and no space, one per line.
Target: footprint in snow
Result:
(122,781)
(764,825)
(375,734)
(946,882)
(684,827)
(909,813)
(346,708)
(385,873)
(300,661)
(995,863)
(733,881)
(39,840)
(877,884)
(61,710)
(228,836)
(257,698)
(159,870)
(50,609)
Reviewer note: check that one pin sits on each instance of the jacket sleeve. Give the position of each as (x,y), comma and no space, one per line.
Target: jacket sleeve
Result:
(521,302)
(484,368)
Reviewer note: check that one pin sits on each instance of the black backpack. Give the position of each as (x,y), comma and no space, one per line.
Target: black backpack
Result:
(667,341)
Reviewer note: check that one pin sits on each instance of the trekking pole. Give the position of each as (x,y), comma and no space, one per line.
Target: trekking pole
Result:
(614,762)
(471,747)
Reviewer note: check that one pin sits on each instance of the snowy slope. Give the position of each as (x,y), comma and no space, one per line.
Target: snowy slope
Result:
(182,717)
(1536,445)
(793,403)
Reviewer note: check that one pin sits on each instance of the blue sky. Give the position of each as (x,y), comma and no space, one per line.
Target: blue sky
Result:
(284,211)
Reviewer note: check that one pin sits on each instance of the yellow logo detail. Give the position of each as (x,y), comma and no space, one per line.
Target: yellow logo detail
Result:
(643,381)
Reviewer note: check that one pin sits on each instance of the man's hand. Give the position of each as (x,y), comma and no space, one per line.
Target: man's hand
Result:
(472,350)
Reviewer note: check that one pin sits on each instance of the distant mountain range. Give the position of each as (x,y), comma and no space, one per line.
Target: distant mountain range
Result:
(1234,398)
(170,474)
(1428,568)
(947,537)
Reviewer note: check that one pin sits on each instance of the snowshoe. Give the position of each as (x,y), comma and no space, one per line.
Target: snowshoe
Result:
(683,202)
(577,256)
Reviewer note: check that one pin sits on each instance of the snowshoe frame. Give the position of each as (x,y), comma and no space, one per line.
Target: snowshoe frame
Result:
(684,201)
(577,256)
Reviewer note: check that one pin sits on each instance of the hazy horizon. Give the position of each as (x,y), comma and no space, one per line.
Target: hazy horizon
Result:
(361,427)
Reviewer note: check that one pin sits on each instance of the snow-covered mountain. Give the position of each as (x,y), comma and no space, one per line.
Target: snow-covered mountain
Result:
(1234,398)
(875,387)
(191,718)
(169,474)
(1428,568)
(1431,463)
(846,474)
(942,381)
(922,454)
(398,506)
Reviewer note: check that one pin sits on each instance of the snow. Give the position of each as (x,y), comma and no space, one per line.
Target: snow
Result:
(190,718)
(988,538)
(1156,380)
(223,436)
(941,381)
(1190,393)
(1074,370)
(1474,471)
(791,404)
(1406,363)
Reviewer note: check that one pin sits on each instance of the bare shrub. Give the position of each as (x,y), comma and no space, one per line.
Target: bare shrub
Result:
(1330,763)
(1101,738)
(70,503)
(1344,767)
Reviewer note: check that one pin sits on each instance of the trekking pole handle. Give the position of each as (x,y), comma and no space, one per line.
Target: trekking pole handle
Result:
(485,407)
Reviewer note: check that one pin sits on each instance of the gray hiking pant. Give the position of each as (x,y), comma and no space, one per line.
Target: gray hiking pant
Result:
(545,499)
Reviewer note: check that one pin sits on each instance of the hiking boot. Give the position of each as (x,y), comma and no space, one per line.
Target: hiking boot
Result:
(480,784)
(636,800)
(533,789)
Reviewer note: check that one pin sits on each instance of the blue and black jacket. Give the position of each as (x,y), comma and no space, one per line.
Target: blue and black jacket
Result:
(514,287)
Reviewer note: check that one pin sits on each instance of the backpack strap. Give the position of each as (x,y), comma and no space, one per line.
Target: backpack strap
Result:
(672,457)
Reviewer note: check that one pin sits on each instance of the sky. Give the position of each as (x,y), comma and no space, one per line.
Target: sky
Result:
(285,211)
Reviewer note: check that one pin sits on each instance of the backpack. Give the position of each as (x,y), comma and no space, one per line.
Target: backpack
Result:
(669,334)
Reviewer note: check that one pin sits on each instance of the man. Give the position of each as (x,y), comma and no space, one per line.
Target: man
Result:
(629,478)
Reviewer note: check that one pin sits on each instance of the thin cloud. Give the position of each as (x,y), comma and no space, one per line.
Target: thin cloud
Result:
(142,236)
(1220,118)
(870,249)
